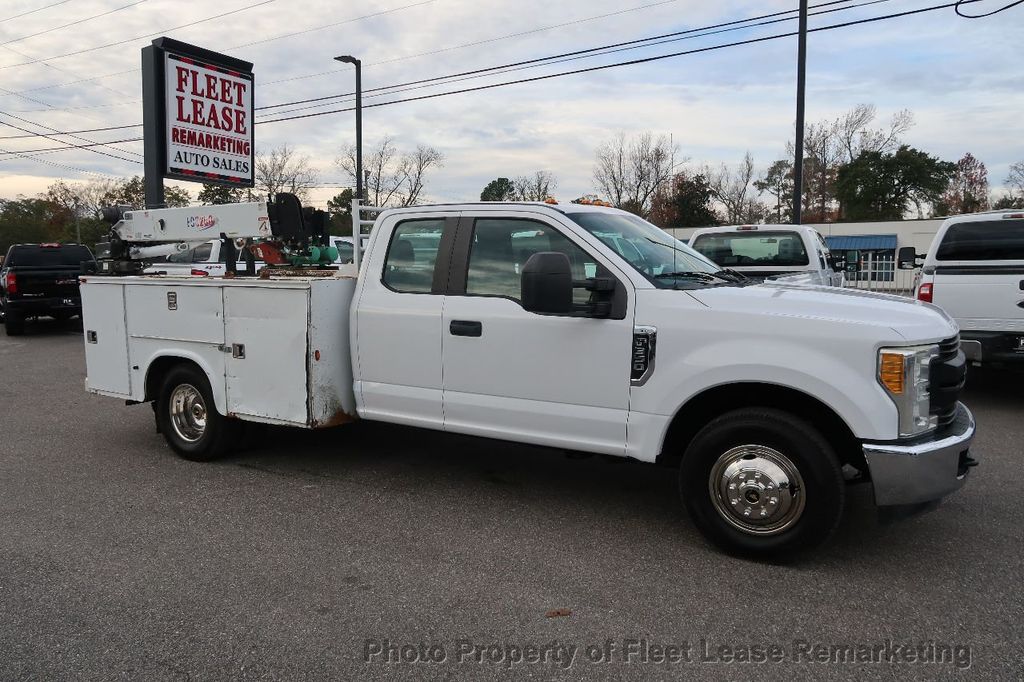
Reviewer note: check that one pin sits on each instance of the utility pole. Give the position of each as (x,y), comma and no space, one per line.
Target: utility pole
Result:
(801,78)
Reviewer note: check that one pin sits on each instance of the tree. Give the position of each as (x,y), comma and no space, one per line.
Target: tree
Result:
(392,178)
(220,194)
(967,191)
(830,144)
(731,189)
(283,170)
(1014,198)
(132,192)
(499,189)
(778,183)
(629,172)
(881,186)
(686,202)
(539,186)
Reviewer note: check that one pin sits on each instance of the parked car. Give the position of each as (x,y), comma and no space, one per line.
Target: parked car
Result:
(204,258)
(41,279)
(346,248)
(795,252)
(974,270)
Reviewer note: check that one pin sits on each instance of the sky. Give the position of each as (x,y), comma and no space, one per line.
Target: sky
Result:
(962,79)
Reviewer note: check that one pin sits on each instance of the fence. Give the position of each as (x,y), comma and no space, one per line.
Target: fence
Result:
(878,272)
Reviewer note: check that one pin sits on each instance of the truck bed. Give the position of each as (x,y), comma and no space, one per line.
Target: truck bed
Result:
(275,350)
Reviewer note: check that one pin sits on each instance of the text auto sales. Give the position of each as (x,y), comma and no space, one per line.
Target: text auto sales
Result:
(217,103)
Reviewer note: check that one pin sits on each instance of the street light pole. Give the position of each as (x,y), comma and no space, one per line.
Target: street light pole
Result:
(348,59)
(801,77)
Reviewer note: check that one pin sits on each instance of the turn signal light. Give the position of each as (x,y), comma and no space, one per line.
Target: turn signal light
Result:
(924,293)
(891,372)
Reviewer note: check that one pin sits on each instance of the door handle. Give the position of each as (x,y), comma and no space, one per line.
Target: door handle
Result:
(466,328)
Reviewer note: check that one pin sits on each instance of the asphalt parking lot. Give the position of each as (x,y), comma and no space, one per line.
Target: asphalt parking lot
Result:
(306,554)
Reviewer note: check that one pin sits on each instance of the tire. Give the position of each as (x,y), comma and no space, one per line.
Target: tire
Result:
(763,483)
(187,416)
(14,324)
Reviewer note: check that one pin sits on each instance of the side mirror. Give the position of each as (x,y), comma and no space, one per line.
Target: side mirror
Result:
(907,258)
(546,283)
(837,263)
(853,261)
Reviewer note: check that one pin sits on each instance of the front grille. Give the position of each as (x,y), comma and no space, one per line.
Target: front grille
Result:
(948,372)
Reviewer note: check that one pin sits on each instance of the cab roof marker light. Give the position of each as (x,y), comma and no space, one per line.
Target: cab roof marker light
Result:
(746,228)
(1013,216)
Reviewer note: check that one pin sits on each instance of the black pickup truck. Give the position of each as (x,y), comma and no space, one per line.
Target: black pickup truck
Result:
(41,279)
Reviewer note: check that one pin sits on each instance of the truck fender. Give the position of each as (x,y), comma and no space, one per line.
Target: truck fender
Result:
(159,361)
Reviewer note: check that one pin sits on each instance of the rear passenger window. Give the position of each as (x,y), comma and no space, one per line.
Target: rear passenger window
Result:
(983,240)
(409,266)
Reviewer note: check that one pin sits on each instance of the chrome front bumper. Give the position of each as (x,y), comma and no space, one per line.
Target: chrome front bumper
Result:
(922,469)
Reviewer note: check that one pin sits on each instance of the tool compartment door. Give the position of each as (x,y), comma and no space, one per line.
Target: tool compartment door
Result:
(266,345)
(106,341)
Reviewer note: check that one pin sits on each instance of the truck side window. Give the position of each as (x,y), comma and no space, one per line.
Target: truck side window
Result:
(409,265)
(502,246)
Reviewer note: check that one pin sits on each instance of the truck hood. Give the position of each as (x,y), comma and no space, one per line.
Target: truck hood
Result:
(914,320)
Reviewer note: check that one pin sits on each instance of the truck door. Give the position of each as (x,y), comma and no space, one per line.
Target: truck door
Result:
(398,340)
(548,379)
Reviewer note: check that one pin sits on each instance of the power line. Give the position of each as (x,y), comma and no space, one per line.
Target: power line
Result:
(986,14)
(592,68)
(580,54)
(148,35)
(58,165)
(73,23)
(46,150)
(91,142)
(498,68)
(70,144)
(337,23)
(626,63)
(33,11)
(422,54)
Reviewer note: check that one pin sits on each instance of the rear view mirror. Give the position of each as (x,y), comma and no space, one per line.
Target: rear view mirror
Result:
(546,283)
(907,258)
(853,261)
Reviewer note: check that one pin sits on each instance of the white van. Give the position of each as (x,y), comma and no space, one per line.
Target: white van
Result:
(974,270)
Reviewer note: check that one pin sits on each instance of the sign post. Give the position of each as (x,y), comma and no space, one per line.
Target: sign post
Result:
(197,115)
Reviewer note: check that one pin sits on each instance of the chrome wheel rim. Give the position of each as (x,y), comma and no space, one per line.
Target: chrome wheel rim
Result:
(757,489)
(188,412)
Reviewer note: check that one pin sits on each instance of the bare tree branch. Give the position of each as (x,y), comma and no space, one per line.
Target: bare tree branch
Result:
(392,178)
(629,173)
(282,170)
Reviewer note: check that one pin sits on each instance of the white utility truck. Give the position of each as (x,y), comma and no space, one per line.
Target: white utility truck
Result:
(569,326)
(797,253)
(974,270)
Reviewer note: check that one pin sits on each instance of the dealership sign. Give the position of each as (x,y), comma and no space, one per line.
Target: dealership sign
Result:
(198,109)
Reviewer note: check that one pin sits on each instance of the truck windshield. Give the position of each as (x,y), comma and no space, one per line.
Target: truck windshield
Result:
(49,255)
(753,249)
(657,255)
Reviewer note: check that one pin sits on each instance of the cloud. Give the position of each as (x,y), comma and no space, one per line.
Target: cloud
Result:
(960,78)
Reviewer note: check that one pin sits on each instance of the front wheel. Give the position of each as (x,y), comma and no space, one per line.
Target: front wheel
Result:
(188,418)
(762,482)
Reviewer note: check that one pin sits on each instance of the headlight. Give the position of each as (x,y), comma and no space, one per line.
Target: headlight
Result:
(903,372)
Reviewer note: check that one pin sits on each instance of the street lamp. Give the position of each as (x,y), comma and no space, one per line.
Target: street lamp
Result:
(348,59)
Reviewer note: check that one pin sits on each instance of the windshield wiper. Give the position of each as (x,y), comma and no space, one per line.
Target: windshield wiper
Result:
(688,274)
(732,275)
